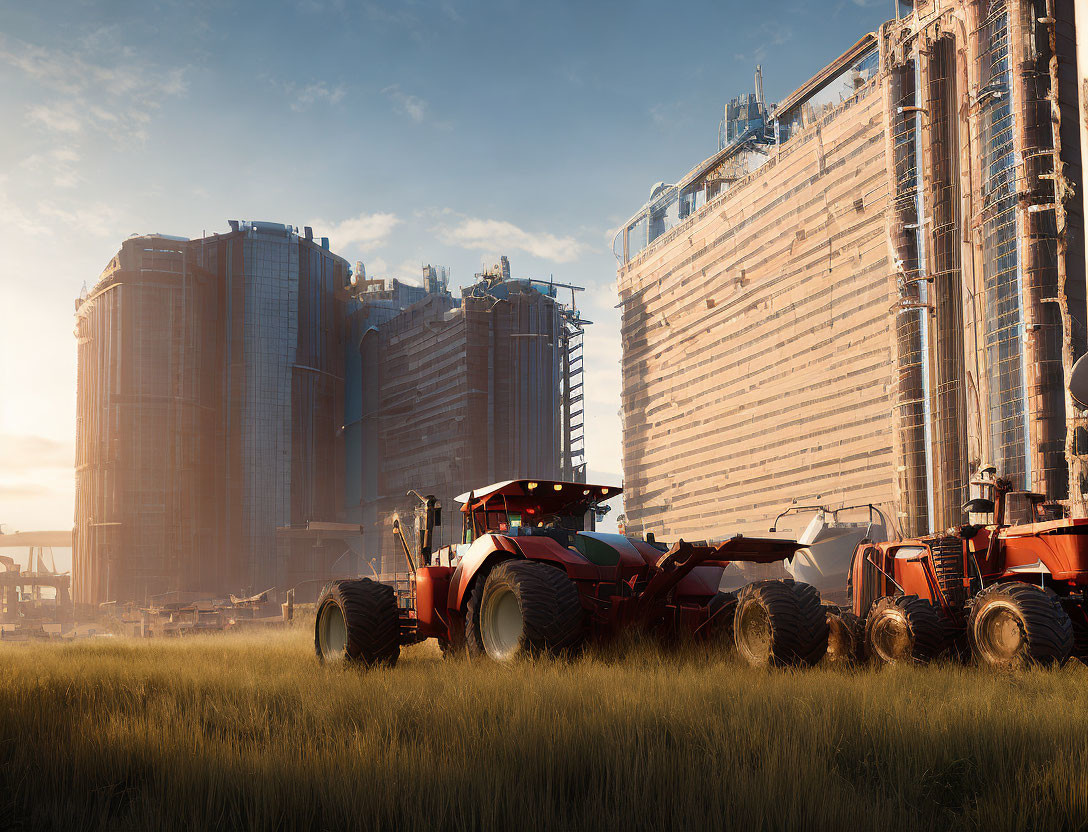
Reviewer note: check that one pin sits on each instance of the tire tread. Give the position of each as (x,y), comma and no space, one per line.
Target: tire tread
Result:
(371,618)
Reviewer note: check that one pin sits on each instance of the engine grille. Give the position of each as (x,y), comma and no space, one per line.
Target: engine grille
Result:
(948,564)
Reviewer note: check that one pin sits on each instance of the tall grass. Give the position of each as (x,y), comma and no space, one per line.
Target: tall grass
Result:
(235,732)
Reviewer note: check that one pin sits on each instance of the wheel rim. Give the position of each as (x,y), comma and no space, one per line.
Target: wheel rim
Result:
(891,637)
(754,633)
(501,624)
(999,633)
(332,633)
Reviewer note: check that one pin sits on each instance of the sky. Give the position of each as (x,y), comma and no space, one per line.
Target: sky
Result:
(421,131)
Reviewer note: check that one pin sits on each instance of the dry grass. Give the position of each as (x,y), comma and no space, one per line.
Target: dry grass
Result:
(232,732)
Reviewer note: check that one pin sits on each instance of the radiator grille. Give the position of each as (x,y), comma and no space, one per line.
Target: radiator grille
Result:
(948,564)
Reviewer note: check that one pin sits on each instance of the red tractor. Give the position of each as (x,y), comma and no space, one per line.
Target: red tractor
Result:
(1010,592)
(530,576)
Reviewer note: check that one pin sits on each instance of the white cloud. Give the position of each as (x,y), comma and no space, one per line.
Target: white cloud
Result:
(302,98)
(45,217)
(35,469)
(57,163)
(98,219)
(16,216)
(365,229)
(29,453)
(409,105)
(770,33)
(60,117)
(94,84)
(376,267)
(500,235)
(409,270)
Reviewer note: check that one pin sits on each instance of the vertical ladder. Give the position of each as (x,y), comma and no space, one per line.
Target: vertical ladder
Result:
(574,401)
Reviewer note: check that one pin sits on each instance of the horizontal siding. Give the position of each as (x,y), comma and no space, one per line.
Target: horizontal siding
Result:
(758,352)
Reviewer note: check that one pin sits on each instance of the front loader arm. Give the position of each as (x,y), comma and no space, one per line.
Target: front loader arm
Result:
(398,535)
(682,557)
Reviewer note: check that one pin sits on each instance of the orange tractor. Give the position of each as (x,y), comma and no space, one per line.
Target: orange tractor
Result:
(531,576)
(1009,592)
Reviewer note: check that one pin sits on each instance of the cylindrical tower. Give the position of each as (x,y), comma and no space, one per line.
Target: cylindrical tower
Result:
(143,426)
(210,409)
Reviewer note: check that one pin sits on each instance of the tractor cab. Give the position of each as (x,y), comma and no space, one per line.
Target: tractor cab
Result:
(1012,508)
(527,508)
(1023,507)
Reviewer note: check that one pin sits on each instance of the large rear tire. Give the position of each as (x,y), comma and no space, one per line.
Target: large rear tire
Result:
(525,608)
(904,629)
(1017,624)
(815,613)
(357,623)
(473,646)
(775,626)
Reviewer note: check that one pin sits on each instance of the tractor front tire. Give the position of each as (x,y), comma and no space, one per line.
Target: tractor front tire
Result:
(904,629)
(524,608)
(473,646)
(1016,624)
(776,626)
(815,613)
(845,638)
(357,623)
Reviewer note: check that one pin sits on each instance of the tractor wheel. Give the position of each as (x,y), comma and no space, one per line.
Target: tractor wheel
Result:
(845,638)
(775,627)
(812,607)
(1017,624)
(721,609)
(473,645)
(357,623)
(904,629)
(527,608)
(807,594)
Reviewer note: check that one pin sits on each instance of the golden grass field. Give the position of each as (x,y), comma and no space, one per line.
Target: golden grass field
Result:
(250,732)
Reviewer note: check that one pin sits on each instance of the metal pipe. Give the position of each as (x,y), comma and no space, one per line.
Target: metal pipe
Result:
(1077,469)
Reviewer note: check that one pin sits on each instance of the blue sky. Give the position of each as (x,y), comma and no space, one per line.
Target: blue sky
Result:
(442,132)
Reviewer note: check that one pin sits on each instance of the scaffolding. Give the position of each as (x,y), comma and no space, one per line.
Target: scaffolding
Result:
(985,285)
(951,468)
(1001,263)
(914,408)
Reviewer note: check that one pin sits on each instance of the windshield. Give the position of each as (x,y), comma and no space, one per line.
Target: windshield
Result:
(508,522)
